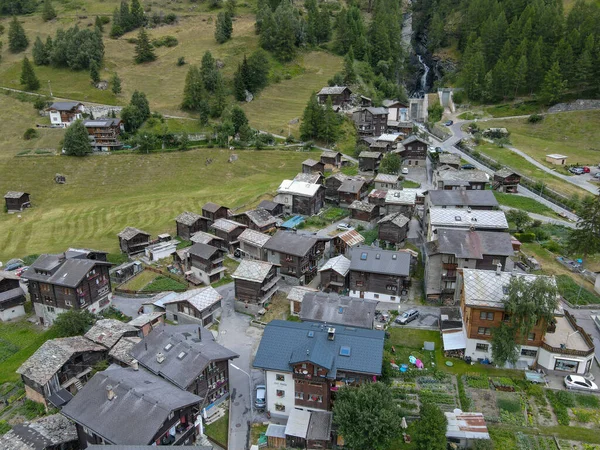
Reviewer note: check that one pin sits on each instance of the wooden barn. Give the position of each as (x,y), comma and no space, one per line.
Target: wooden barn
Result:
(352,189)
(331,159)
(334,274)
(213,212)
(276,209)
(369,161)
(255,281)
(189,223)
(393,228)
(132,240)
(16,201)
(312,166)
(229,231)
(258,220)
(343,242)
(505,180)
(364,211)
(339,95)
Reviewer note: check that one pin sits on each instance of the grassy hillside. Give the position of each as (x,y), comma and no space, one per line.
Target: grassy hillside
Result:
(575,134)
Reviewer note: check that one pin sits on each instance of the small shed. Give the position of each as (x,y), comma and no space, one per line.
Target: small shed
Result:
(276,436)
(276,209)
(331,158)
(464,428)
(16,201)
(393,228)
(363,211)
(312,166)
(369,161)
(132,240)
(556,159)
(344,242)
(505,180)
(188,223)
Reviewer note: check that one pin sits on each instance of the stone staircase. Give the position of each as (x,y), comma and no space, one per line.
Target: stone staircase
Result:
(78,385)
(220,412)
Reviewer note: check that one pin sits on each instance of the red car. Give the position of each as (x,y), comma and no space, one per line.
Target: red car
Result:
(586,169)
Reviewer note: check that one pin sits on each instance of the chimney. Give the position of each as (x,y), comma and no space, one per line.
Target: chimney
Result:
(134,365)
(331,334)
(146,345)
(110,394)
(498,269)
(200,333)
(160,357)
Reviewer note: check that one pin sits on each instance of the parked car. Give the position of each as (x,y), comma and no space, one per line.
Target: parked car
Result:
(260,400)
(597,175)
(344,227)
(405,171)
(576,170)
(20,270)
(586,169)
(14,264)
(448,123)
(407,316)
(579,382)
(439,149)
(467,167)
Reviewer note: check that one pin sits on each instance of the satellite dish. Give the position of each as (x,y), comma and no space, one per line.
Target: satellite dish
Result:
(305,372)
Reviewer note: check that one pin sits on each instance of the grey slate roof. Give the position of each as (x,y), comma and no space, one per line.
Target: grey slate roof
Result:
(297,293)
(330,154)
(449,158)
(261,217)
(319,427)
(130,232)
(183,340)
(144,319)
(386,178)
(283,343)
(375,260)
(52,355)
(362,206)
(462,218)
(310,162)
(377,110)
(200,299)
(366,154)
(251,270)
(332,90)
(254,237)
(64,106)
(462,197)
(49,431)
(108,331)
(352,185)
(504,172)
(470,244)
(338,309)
(226,225)
(340,264)
(291,243)
(188,218)
(211,207)
(397,219)
(463,176)
(12,294)
(200,237)
(141,405)
(308,177)
(413,138)
(203,251)
(14,194)
(122,349)
(68,272)
(268,205)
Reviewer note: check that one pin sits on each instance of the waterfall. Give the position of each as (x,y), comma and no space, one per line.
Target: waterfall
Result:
(422,87)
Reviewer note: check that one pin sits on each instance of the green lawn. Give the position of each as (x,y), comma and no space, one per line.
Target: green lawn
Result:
(525,203)
(219,430)
(575,134)
(140,281)
(106,193)
(162,283)
(514,109)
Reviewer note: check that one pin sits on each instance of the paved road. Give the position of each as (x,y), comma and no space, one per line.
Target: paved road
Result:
(129,305)
(236,334)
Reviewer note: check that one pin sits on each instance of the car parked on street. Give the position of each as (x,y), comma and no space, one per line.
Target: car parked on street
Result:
(576,170)
(449,123)
(407,316)
(586,169)
(260,399)
(405,171)
(579,382)
(467,167)
(344,227)
(597,175)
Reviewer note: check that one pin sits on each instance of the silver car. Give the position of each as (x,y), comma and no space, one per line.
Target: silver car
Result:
(407,316)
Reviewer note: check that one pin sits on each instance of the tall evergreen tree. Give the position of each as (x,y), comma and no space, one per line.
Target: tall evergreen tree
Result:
(99,24)
(77,142)
(553,86)
(48,12)
(218,100)
(193,92)
(245,74)
(223,28)
(139,101)
(28,78)
(136,14)
(520,74)
(348,71)
(312,119)
(209,72)
(125,19)
(239,88)
(39,53)
(330,128)
(259,66)
(17,39)
(116,28)
(144,51)
(115,84)
(238,118)
(94,72)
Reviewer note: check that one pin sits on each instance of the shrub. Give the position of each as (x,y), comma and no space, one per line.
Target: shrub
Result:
(30,133)
(4,427)
(525,237)
(535,118)
(553,246)
(165,41)
(587,401)
(104,20)
(181,61)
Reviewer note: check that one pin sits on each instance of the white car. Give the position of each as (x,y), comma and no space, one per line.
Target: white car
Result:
(579,382)
(344,227)
(405,171)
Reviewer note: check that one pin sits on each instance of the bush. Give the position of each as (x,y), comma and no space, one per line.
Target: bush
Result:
(535,118)
(435,113)
(181,61)
(587,401)
(104,20)
(525,237)
(165,41)
(553,246)
(30,133)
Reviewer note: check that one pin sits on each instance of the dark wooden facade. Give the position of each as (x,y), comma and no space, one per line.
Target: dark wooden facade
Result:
(17,201)
(135,244)
(339,95)
(208,265)
(413,151)
(296,266)
(333,281)
(364,216)
(391,232)
(369,161)
(214,212)
(230,239)
(185,231)
(105,133)
(308,206)
(506,181)
(371,121)
(332,158)
(313,167)
(15,298)
(256,292)
(332,184)
(376,282)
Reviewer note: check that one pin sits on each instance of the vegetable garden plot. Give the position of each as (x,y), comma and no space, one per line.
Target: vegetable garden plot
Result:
(511,408)
(528,442)
(484,401)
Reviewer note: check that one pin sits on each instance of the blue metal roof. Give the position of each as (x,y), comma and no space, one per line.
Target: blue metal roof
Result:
(286,343)
(293,222)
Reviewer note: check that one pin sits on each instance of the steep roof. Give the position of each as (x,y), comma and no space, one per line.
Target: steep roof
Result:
(226,225)
(333,90)
(200,299)
(187,350)
(203,251)
(189,218)
(130,232)
(414,138)
(14,194)
(462,197)
(48,431)
(470,244)
(52,355)
(61,271)
(398,219)
(340,264)
(212,207)
(252,270)
(108,331)
(142,403)
(375,260)
(338,310)
(284,344)
(291,243)
(440,217)
(352,185)
(351,237)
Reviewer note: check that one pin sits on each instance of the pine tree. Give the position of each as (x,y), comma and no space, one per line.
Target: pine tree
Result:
(115,84)
(125,17)
(209,72)
(144,51)
(40,56)
(193,91)
(218,100)
(77,142)
(223,28)
(98,24)
(136,13)
(536,67)
(348,71)
(28,78)
(239,88)
(553,86)
(520,74)
(116,29)
(258,63)
(246,75)
(238,118)
(17,39)
(48,12)
(329,130)
(94,73)
(139,101)
(312,119)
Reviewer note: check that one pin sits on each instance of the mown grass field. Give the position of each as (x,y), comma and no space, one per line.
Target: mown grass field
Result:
(525,203)
(105,193)
(574,134)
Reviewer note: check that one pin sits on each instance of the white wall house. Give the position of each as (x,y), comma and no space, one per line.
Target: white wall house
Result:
(280,392)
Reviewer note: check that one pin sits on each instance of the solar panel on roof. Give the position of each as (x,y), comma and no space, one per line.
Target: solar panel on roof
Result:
(311,334)
(363,256)
(344,351)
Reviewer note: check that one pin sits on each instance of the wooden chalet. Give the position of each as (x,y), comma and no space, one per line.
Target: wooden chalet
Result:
(213,212)
(301,198)
(298,255)
(189,223)
(393,228)
(369,161)
(363,211)
(331,159)
(371,121)
(332,184)
(339,95)
(252,244)
(343,242)
(387,181)
(352,189)
(205,262)
(505,180)
(104,133)
(65,113)
(311,178)
(229,231)
(312,166)
(274,208)
(132,240)
(334,274)
(255,281)
(258,220)
(413,151)
(12,297)
(16,201)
